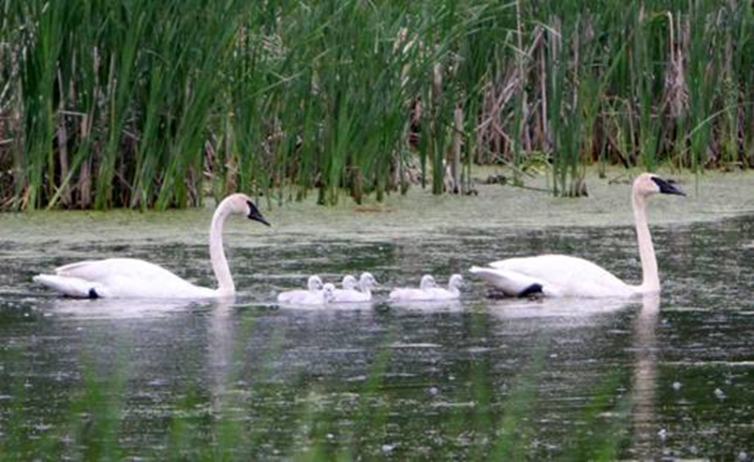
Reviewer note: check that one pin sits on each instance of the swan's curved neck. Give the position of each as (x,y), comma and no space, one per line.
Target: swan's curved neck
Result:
(217,253)
(651,280)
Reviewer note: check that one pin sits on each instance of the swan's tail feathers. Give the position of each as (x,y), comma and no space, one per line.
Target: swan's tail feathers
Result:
(71,287)
(511,283)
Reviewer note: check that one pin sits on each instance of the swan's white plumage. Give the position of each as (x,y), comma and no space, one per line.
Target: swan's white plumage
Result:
(566,276)
(350,295)
(423,293)
(348,285)
(558,276)
(313,298)
(132,278)
(120,278)
(314,285)
(451,293)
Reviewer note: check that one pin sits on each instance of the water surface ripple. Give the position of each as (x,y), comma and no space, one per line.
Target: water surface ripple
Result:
(653,378)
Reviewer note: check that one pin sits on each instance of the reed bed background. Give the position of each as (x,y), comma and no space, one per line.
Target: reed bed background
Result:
(133,103)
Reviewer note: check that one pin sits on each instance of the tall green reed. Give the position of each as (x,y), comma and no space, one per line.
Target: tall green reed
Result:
(143,104)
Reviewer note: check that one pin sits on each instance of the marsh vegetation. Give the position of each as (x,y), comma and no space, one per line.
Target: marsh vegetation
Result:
(139,104)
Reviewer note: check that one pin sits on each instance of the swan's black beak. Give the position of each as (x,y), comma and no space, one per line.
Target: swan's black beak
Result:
(667,187)
(255,214)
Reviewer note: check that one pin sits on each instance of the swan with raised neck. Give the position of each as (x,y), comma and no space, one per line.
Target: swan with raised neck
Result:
(133,278)
(566,276)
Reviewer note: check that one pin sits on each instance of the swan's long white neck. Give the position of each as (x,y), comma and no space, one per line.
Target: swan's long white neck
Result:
(651,280)
(225,284)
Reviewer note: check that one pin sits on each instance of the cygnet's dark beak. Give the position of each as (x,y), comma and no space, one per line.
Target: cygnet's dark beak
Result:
(667,187)
(255,214)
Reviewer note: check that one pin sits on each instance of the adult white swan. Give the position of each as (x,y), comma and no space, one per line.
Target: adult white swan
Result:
(564,276)
(131,278)
(314,285)
(349,294)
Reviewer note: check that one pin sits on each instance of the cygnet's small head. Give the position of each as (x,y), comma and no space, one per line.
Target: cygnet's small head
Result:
(349,282)
(328,291)
(428,282)
(456,281)
(314,283)
(367,281)
(648,184)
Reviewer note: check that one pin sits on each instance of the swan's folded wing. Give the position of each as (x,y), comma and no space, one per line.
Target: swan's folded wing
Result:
(541,264)
(131,278)
(510,282)
(102,270)
(71,268)
(561,275)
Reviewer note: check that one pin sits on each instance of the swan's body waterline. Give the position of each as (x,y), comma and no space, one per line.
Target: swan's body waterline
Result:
(428,291)
(132,278)
(314,285)
(565,276)
(451,293)
(313,298)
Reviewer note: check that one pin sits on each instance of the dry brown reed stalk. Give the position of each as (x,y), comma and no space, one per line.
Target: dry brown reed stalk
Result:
(146,108)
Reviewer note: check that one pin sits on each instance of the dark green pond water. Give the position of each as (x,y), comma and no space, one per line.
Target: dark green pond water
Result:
(669,377)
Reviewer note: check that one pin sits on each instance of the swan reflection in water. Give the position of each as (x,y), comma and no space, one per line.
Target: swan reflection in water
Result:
(644,378)
(121,308)
(221,357)
(558,313)
(565,315)
(221,341)
(112,326)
